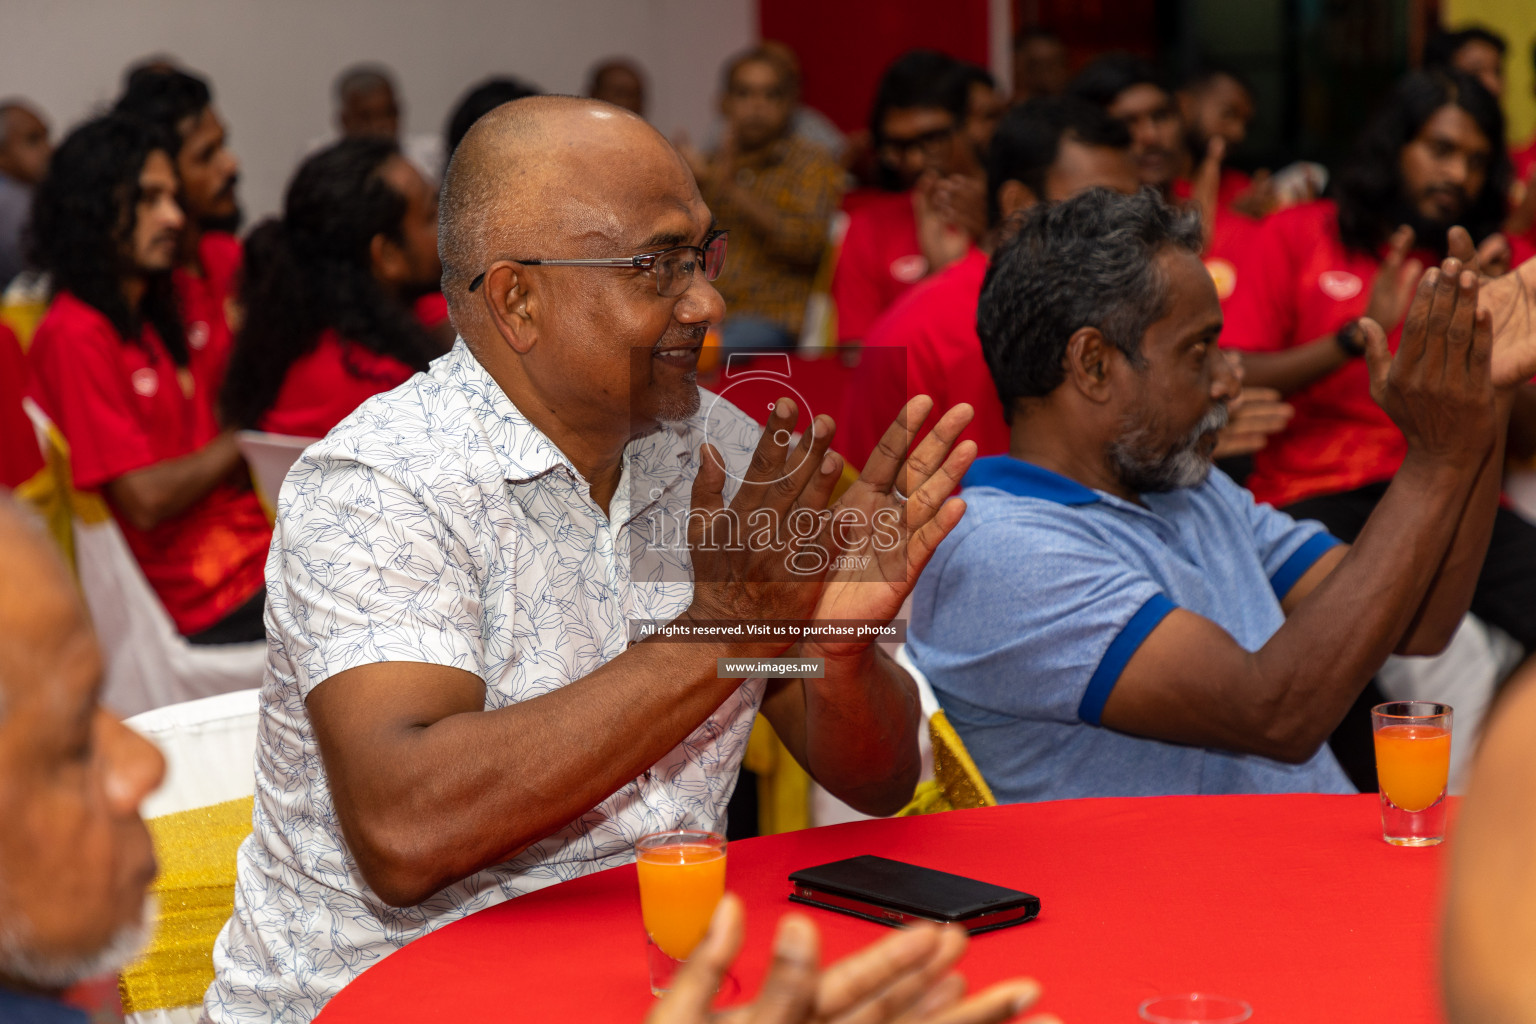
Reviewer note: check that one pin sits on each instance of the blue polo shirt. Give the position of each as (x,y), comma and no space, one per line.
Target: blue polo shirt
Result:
(1033,605)
(21,1008)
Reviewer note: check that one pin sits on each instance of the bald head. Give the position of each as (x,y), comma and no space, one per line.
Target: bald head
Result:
(24,144)
(552,177)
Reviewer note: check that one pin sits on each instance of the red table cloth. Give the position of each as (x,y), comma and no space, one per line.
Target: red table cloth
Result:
(1292,903)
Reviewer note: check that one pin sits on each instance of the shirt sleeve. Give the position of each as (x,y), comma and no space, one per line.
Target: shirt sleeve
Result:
(805,208)
(1261,314)
(855,291)
(1287,547)
(362,571)
(79,381)
(1036,619)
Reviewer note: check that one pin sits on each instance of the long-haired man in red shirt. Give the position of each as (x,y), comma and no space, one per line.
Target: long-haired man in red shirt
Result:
(180,106)
(1432,158)
(111,364)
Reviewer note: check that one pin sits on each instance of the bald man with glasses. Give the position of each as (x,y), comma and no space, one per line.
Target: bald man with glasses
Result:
(462,703)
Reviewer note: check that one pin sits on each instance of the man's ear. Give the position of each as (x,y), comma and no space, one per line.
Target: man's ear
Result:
(387,260)
(1089,362)
(512,304)
(1015,197)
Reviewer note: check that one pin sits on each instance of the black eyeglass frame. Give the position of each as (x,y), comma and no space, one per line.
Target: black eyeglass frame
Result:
(643,261)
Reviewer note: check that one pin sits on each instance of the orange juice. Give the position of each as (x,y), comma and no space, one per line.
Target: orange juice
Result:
(679,888)
(1412,762)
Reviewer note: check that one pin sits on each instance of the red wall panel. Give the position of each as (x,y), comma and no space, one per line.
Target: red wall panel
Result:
(844,45)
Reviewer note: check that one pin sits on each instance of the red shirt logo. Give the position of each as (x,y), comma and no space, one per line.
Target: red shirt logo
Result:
(1339,285)
(1223,275)
(907,269)
(145,382)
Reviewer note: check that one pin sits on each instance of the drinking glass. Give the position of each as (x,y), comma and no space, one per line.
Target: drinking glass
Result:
(682,877)
(1194,1008)
(1413,761)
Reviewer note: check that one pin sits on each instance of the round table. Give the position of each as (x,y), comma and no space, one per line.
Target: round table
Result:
(1292,902)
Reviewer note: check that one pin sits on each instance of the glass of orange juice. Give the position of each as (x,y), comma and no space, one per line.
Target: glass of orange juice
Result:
(1413,760)
(682,877)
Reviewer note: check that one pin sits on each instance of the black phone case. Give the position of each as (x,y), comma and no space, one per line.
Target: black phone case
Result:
(907,889)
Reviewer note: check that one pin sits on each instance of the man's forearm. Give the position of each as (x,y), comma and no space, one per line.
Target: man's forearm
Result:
(1293,369)
(854,731)
(149,496)
(426,805)
(1450,592)
(1315,665)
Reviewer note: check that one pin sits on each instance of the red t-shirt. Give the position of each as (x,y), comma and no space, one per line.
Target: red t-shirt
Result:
(431,309)
(1303,285)
(1232,236)
(19,458)
(202,308)
(879,260)
(323,386)
(936,323)
(1524,159)
(123,406)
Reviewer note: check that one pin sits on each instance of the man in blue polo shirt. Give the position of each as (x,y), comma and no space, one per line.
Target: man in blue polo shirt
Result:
(1115,617)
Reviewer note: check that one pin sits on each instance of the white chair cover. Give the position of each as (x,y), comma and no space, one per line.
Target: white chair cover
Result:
(270,456)
(149,664)
(210,754)
(210,750)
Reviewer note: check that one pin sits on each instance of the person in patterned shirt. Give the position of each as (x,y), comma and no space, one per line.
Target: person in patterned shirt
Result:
(460,704)
(776,192)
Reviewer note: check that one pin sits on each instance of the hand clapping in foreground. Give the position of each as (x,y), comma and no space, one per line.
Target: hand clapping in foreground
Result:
(904,978)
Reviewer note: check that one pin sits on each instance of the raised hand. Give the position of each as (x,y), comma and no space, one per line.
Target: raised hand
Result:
(1393,287)
(1259,199)
(942,241)
(1207,185)
(889,522)
(902,979)
(1491,259)
(960,200)
(764,555)
(1438,388)
(1510,302)
(1253,417)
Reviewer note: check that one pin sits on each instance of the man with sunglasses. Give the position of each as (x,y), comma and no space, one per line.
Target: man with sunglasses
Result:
(935,206)
(467,696)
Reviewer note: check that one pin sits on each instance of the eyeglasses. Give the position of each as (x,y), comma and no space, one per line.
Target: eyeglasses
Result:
(673,268)
(932,144)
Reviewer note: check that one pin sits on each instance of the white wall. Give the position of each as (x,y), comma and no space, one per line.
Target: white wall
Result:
(272,62)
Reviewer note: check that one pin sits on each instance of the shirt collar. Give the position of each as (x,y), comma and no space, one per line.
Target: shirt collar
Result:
(1015,476)
(526,453)
(523,450)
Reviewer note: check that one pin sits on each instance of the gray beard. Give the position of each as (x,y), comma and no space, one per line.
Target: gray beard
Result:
(1146,471)
(53,973)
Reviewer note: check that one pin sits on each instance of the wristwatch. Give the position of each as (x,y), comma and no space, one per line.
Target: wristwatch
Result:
(1351,339)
